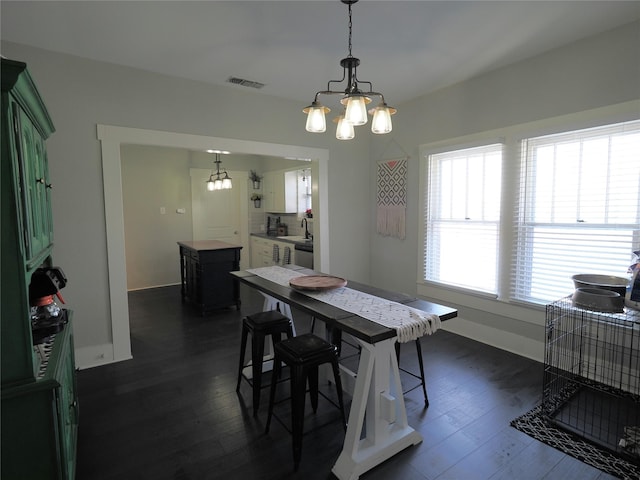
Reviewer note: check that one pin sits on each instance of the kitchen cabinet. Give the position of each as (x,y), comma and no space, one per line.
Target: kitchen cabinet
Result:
(263,253)
(39,395)
(204,272)
(280,191)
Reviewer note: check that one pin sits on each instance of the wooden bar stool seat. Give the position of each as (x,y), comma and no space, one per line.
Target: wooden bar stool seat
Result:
(260,325)
(303,355)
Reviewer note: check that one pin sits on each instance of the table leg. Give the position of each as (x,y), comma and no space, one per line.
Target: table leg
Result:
(378,393)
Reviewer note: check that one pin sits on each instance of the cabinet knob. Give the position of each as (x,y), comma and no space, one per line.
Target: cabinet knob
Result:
(49,186)
(40,181)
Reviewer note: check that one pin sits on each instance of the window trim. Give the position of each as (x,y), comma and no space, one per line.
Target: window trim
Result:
(425,200)
(511,137)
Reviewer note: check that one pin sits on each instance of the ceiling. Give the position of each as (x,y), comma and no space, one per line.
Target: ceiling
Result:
(406,48)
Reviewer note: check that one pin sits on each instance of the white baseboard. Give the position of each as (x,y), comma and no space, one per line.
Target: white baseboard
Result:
(95,356)
(153,286)
(523,346)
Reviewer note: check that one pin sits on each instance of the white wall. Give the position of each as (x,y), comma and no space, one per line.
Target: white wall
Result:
(151,178)
(600,71)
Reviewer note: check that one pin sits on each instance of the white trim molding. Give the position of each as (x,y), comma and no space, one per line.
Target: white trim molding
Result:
(111,139)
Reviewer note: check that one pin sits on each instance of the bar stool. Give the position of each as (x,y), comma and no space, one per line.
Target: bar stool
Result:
(260,325)
(303,355)
(420,377)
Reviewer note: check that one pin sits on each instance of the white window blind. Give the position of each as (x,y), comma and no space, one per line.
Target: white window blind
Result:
(462,217)
(578,209)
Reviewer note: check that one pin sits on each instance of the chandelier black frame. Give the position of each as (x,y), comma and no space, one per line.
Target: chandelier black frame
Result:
(354,99)
(218,183)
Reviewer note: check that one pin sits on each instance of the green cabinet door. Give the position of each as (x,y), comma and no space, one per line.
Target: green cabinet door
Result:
(32,160)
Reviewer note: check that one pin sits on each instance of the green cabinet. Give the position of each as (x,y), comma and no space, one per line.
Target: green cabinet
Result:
(40,418)
(39,402)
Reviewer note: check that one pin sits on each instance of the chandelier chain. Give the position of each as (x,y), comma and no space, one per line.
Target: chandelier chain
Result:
(350,27)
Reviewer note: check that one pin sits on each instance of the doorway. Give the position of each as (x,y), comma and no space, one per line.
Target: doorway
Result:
(112,137)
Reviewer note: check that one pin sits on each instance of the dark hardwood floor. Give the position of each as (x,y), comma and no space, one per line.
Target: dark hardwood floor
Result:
(172,412)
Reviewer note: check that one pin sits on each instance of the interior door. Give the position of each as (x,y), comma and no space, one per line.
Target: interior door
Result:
(217,215)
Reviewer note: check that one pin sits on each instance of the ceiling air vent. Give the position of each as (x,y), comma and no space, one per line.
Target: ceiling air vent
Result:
(245,83)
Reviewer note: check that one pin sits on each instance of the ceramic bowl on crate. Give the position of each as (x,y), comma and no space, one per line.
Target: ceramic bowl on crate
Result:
(598,300)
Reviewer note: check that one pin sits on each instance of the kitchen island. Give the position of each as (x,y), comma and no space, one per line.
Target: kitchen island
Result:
(204,274)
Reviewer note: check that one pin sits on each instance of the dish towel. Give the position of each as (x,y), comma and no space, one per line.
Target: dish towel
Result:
(409,323)
(276,253)
(286,257)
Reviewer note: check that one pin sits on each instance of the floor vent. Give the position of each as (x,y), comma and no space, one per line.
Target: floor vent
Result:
(245,83)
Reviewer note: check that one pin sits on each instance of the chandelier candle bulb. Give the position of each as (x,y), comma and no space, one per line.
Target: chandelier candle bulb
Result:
(381,123)
(316,122)
(357,109)
(344,130)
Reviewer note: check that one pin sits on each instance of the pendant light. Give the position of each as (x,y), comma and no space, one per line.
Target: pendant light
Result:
(354,99)
(215,182)
(344,129)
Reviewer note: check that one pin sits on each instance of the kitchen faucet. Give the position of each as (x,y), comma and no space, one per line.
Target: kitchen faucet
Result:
(305,224)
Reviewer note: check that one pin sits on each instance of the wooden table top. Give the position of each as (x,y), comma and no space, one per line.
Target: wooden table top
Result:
(359,327)
(199,245)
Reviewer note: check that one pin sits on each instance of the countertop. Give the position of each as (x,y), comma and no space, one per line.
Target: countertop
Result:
(282,239)
(198,245)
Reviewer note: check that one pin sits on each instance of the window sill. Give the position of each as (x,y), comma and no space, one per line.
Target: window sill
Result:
(486,302)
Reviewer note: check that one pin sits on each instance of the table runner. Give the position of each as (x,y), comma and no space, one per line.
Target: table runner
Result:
(409,323)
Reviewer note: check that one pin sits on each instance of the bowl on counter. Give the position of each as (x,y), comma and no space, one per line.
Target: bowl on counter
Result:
(598,300)
(605,282)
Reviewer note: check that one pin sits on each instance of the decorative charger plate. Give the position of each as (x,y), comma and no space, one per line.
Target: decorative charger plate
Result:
(317,282)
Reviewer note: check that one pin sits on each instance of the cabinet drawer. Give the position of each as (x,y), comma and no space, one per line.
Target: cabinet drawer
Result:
(220,256)
(265,262)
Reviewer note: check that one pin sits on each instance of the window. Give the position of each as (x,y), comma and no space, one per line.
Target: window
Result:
(462,217)
(519,221)
(578,209)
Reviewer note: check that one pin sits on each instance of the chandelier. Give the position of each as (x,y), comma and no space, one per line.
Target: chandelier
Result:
(218,183)
(354,99)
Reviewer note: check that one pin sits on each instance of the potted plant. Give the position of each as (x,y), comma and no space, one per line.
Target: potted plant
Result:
(255,178)
(256,197)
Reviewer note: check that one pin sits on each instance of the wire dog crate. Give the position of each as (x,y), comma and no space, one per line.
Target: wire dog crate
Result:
(591,375)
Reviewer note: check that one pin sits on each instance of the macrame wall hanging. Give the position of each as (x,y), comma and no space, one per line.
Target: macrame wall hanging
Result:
(392,197)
